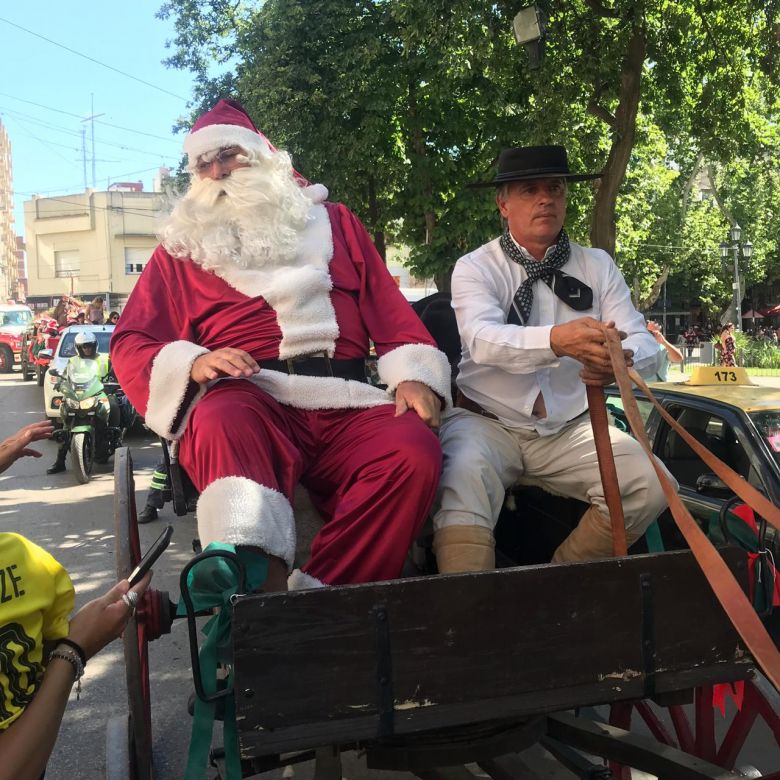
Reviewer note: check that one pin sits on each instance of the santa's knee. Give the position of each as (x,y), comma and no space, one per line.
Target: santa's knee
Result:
(417,456)
(225,410)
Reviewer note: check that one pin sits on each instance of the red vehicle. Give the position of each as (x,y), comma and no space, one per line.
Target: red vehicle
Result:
(14,320)
(35,361)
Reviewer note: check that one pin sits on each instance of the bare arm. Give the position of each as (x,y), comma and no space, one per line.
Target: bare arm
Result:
(675,356)
(26,745)
(15,447)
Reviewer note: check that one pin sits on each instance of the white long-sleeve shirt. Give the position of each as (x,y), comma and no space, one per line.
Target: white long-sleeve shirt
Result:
(505,367)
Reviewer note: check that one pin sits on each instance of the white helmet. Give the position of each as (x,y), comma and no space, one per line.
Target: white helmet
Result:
(86,344)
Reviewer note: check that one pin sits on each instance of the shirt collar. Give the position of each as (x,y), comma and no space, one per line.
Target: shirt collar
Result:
(527,254)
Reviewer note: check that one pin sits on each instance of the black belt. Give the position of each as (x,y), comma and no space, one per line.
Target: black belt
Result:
(320,365)
(464,402)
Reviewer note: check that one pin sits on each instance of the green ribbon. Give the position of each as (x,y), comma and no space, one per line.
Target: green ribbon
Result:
(211,583)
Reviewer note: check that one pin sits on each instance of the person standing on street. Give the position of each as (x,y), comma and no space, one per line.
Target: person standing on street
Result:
(728,346)
(533,309)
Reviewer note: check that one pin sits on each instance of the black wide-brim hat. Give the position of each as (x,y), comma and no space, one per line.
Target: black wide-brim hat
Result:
(533,162)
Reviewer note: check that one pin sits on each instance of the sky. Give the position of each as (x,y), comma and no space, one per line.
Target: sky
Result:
(46,139)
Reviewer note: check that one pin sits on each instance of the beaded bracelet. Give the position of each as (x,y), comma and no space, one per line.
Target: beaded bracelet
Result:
(67,653)
(77,647)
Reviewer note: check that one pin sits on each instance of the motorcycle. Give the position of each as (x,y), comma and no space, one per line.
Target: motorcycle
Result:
(85,410)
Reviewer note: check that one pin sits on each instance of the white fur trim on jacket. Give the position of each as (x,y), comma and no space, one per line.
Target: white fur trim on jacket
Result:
(213,137)
(315,392)
(299,293)
(168,385)
(300,580)
(237,510)
(416,363)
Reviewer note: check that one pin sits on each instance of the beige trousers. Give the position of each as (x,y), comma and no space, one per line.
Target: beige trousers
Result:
(483,458)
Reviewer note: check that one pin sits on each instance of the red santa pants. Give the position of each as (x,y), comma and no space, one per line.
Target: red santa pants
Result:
(371,475)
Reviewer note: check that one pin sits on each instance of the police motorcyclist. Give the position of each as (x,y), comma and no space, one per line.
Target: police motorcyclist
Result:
(86,349)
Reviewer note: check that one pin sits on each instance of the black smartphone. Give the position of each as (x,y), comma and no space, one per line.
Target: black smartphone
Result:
(152,554)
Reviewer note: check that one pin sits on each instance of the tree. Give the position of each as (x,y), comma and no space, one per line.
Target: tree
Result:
(398,104)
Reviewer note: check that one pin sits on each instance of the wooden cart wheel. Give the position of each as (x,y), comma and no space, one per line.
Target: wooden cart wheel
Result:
(695,734)
(153,618)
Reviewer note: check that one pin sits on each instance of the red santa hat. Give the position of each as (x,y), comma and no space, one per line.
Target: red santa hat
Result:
(227,124)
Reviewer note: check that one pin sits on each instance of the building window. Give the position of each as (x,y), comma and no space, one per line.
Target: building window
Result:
(66,263)
(136,259)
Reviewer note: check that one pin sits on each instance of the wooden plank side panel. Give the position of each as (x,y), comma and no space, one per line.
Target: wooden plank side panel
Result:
(466,648)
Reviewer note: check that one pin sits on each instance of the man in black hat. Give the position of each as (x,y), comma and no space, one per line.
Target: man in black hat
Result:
(531,309)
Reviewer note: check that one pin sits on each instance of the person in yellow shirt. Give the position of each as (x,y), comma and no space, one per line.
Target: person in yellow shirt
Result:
(36,597)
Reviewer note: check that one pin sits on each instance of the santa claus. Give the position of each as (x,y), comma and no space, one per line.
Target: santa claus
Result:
(245,339)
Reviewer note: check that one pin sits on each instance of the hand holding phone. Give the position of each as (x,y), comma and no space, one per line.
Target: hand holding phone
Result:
(152,554)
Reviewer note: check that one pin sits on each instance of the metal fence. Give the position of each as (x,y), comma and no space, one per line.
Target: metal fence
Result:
(701,355)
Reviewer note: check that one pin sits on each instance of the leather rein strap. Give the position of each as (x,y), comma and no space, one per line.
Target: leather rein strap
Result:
(727,590)
(600,424)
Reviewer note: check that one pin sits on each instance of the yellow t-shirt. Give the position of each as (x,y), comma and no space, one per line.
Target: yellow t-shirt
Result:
(36,597)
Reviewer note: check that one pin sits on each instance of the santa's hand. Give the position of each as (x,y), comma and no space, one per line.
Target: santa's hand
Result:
(419,398)
(223,362)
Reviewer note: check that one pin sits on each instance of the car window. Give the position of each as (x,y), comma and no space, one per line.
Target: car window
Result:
(711,430)
(68,343)
(20,317)
(768,425)
(615,409)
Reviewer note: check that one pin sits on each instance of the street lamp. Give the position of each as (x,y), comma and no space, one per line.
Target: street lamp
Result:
(529,27)
(732,248)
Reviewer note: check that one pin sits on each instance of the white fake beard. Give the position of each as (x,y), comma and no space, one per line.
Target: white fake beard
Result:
(253,218)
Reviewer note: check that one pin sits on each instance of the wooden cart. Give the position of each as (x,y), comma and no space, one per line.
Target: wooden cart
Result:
(429,674)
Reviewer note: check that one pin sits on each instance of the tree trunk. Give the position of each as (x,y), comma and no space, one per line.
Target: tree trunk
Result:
(645,304)
(443,281)
(602,232)
(421,166)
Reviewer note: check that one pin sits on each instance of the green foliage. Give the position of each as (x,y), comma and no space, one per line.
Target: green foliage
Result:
(757,353)
(397,105)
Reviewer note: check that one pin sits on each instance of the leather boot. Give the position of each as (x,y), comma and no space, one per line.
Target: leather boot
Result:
(59,465)
(591,539)
(148,515)
(461,548)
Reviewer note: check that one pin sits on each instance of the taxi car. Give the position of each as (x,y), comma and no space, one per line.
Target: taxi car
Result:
(739,422)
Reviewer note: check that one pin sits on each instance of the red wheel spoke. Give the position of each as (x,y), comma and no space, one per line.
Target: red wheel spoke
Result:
(682,728)
(620,717)
(753,698)
(705,724)
(653,722)
(735,737)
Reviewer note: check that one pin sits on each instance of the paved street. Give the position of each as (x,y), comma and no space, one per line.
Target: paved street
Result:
(75,523)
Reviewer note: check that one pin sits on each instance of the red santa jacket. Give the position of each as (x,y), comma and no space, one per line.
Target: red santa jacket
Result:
(335,297)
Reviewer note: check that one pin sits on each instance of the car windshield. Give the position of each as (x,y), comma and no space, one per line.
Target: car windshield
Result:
(68,343)
(21,317)
(768,425)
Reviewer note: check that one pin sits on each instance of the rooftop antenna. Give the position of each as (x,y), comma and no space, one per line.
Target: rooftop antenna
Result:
(91,119)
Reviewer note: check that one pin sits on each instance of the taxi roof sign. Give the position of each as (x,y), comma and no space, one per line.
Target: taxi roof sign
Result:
(719,375)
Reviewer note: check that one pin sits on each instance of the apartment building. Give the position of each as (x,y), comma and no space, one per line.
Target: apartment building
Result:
(89,243)
(8,261)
